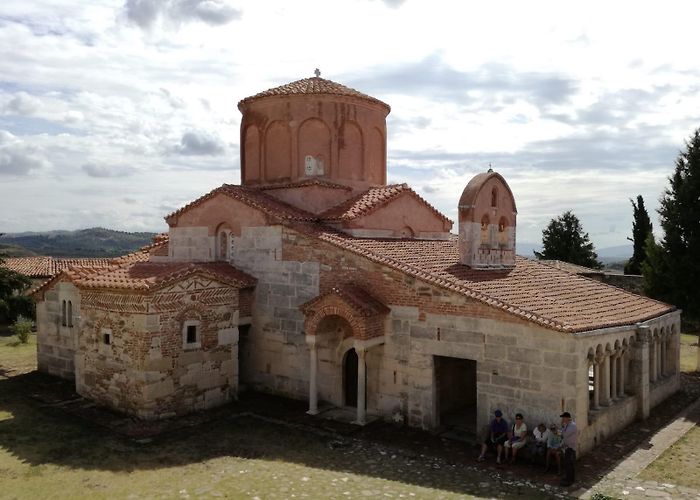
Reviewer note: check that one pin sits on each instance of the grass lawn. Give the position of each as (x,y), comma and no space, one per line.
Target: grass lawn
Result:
(678,464)
(16,357)
(46,453)
(689,352)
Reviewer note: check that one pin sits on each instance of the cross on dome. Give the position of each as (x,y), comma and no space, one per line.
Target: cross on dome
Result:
(317,72)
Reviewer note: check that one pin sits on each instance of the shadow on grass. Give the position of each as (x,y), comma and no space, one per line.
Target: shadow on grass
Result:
(41,431)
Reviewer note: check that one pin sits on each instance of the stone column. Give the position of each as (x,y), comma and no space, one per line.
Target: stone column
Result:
(659,371)
(614,360)
(605,399)
(652,359)
(313,368)
(361,384)
(596,385)
(640,370)
(664,356)
(621,379)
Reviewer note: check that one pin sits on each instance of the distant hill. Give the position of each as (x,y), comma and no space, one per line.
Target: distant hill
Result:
(94,242)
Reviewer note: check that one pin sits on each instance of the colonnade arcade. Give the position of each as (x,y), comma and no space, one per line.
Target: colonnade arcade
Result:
(339,325)
(610,367)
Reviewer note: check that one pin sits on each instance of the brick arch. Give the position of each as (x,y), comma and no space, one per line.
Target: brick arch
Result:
(312,321)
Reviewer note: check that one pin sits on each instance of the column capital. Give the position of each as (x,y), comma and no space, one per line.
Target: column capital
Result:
(311,341)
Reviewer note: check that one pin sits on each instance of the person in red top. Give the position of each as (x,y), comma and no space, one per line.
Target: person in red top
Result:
(498,434)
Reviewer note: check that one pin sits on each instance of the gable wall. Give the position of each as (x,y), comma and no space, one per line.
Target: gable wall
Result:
(193,237)
(56,343)
(401,213)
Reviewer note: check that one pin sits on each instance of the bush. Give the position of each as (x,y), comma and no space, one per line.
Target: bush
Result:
(22,328)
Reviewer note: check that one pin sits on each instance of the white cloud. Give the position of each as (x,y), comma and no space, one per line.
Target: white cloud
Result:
(194,143)
(18,158)
(145,13)
(22,104)
(575,114)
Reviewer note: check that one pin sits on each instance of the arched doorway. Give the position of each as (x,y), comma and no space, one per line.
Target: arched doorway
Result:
(350,378)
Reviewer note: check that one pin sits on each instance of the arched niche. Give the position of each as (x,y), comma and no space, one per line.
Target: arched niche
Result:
(351,149)
(278,151)
(375,156)
(251,159)
(314,140)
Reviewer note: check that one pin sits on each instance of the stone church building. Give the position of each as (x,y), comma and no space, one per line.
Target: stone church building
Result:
(316,280)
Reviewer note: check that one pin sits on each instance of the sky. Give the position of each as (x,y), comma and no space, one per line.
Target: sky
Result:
(116,113)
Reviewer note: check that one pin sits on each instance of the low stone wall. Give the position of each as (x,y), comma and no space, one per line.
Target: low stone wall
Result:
(663,388)
(605,422)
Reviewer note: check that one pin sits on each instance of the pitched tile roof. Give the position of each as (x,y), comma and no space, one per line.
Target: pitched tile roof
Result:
(311,86)
(146,276)
(533,291)
(256,198)
(44,266)
(355,296)
(571,268)
(370,200)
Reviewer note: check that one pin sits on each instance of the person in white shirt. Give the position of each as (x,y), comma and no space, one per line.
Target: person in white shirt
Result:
(540,436)
(517,439)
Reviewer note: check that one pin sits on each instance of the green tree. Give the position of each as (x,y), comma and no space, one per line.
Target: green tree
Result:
(564,239)
(673,275)
(12,284)
(641,229)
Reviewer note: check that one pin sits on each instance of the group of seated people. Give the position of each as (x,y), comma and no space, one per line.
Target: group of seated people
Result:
(508,440)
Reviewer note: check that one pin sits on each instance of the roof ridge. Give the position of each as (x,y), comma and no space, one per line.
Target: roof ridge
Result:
(314,85)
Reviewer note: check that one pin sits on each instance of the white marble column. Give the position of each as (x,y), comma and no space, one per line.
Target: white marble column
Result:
(361,384)
(313,369)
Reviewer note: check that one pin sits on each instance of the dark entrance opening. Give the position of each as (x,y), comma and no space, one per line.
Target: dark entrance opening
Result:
(243,357)
(455,383)
(350,378)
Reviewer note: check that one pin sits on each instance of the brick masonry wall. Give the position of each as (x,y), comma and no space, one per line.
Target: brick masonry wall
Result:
(147,370)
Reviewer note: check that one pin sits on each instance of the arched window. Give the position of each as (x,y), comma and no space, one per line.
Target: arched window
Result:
(494,197)
(502,232)
(223,245)
(70,314)
(64,322)
(485,230)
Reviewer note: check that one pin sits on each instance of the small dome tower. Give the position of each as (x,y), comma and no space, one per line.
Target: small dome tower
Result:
(487,216)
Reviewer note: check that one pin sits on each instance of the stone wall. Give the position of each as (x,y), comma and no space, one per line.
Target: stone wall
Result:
(519,367)
(147,369)
(276,356)
(56,343)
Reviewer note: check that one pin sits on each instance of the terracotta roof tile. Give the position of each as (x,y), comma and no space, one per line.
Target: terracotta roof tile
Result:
(310,86)
(146,276)
(570,268)
(255,198)
(370,200)
(44,266)
(357,297)
(533,291)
